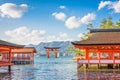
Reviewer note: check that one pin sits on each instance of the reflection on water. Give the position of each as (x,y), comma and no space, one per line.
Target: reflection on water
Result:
(62,68)
(99,75)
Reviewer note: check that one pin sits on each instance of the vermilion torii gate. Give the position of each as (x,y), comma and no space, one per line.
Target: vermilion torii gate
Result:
(49,49)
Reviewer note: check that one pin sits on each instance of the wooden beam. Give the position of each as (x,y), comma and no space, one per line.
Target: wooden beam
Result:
(23,50)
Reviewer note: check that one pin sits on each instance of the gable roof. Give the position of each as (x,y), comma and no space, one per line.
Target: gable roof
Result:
(5,43)
(101,37)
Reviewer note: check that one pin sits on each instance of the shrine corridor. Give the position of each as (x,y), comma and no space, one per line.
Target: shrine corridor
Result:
(62,68)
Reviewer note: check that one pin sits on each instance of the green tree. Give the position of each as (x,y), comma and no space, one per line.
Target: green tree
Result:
(79,52)
(118,24)
(110,23)
(90,25)
(76,51)
(70,49)
(107,23)
(103,23)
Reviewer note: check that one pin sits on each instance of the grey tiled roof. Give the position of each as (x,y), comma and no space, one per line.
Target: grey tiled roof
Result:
(101,37)
(5,43)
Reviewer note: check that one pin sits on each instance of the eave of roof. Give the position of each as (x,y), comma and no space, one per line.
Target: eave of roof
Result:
(105,30)
(93,44)
(101,37)
(5,43)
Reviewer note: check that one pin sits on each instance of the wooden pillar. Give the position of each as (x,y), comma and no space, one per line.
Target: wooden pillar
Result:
(86,54)
(113,60)
(56,53)
(10,59)
(86,66)
(33,57)
(48,53)
(9,68)
(87,58)
(12,56)
(99,59)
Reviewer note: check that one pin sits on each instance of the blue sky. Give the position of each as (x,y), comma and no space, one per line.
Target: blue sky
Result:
(35,21)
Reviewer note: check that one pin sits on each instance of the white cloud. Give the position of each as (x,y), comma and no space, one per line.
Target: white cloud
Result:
(59,16)
(62,7)
(74,22)
(87,18)
(24,35)
(116,7)
(11,10)
(103,4)
(111,5)
(63,35)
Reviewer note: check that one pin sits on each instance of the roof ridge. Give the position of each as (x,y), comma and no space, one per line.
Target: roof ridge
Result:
(105,30)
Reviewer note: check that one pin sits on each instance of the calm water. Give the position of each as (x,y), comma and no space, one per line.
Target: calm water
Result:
(62,68)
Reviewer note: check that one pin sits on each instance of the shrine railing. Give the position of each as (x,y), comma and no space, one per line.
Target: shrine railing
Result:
(98,61)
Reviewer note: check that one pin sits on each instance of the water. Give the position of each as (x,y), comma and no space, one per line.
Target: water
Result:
(62,68)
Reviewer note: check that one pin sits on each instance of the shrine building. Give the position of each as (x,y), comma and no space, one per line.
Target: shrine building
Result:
(10,52)
(101,47)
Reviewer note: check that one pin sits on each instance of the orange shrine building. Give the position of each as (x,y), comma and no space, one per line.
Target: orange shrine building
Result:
(101,47)
(10,52)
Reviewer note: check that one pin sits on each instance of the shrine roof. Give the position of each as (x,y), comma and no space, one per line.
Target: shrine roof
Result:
(5,43)
(101,37)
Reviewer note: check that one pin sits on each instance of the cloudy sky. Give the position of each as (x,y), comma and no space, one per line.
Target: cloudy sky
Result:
(35,21)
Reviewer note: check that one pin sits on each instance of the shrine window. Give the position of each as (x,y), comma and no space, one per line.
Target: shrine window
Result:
(93,55)
(116,55)
(104,55)
(1,56)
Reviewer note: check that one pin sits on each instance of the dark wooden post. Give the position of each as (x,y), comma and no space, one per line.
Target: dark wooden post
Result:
(10,59)
(9,68)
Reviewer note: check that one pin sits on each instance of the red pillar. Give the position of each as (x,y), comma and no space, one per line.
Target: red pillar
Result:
(99,56)
(48,53)
(113,57)
(56,53)
(33,56)
(87,54)
(12,56)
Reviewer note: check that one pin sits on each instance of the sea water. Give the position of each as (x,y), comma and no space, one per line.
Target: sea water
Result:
(62,68)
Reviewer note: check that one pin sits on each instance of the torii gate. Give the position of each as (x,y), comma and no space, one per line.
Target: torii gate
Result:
(49,49)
